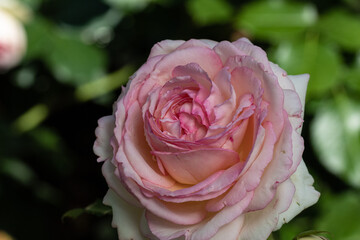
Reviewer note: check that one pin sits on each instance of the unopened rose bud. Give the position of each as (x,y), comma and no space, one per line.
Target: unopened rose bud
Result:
(12,41)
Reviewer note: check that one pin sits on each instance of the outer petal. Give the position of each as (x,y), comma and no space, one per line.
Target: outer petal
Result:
(305,194)
(300,82)
(109,172)
(259,224)
(292,103)
(278,169)
(126,217)
(205,57)
(165,230)
(256,52)
(104,132)
(222,218)
(179,213)
(284,80)
(273,94)
(198,43)
(165,47)
(231,230)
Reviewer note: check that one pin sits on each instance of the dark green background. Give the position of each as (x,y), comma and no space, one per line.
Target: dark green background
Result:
(48,168)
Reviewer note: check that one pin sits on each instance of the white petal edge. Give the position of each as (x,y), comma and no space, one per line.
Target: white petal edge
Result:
(284,81)
(126,218)
(104,132)
(304,197)
(300,83)
(209,42)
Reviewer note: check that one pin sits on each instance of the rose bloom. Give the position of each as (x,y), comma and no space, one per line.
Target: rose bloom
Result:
(12,40)
(204,143)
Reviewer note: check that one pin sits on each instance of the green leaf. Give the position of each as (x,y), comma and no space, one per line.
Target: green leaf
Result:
(74,62)
(340,216)
(73,213)
(38,33)
(310,56)
(207,12)
(341,27)
(276,20)
(97,208)
(71,60)
(353,75)
(335,134)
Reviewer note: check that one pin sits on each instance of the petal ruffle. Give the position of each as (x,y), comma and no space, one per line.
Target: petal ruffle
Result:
(104,132)
(126,217)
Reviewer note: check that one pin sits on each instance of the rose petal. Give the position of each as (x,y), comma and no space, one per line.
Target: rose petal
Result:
(278,169)
(165,47)
(220,219)
(245,46)
(281,74)
(165,230)
(273,94)
(137,151)
(300,83)
(205,57)
(292,103)
(179,213)
(126,217)
(187,167)
(305,195)
(252,173)
(109,170)
(104,132)
(231,230)
(268,217)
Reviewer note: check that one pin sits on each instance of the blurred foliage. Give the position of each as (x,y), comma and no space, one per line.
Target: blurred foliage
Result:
(81,52)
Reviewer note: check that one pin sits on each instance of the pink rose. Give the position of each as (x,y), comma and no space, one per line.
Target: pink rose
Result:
(204,143)
(12,40)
